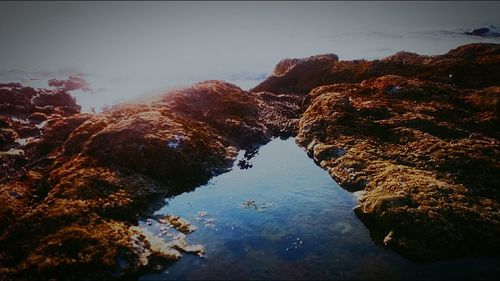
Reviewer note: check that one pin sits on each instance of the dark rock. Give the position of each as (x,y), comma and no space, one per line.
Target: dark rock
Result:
(71,84)
(7,138)
(469,66)
(37,117)
(244,164)
(28,131)
(489,31)
(425,163)
(55,99)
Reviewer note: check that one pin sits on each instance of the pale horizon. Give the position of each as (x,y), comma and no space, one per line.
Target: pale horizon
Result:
(129,49)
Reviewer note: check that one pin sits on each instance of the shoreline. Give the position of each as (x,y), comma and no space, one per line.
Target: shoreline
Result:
(354,118)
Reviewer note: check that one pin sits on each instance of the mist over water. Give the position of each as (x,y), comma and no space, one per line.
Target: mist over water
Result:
(132,49)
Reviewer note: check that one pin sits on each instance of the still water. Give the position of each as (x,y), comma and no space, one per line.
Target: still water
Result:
(285,218)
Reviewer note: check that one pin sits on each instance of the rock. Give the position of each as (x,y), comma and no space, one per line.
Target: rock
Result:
(426,155)
(244,164)
(417,133)
(38,117)
(182,245)
(489,31)
(7,138)
(28,131)
(11,166)
(70,84)
(470,66)
(22,102)
(388,237)
(259,207)
(22,109)
(56,133)
(99,172)
(178,223)
(224,107)
(284,66)
(321,152)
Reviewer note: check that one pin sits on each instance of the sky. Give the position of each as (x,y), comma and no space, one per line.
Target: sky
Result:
(129,49)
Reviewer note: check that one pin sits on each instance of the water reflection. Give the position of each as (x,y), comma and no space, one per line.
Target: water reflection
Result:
(285,218)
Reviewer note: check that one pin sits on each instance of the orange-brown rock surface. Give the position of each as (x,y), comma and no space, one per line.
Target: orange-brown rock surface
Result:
(89,177)
(426,155)
(418,135)
(469,66)
(23,112)
(424,151)
(23,108)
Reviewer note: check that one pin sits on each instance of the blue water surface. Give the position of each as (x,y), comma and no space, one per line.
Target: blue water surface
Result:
(285,218)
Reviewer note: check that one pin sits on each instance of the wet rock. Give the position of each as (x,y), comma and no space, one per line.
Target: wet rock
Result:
(99,172)
(201,214)
(178,223)
(388,238)
(280,113)
(181,245)
(258,206)
(244,164)
(425,155)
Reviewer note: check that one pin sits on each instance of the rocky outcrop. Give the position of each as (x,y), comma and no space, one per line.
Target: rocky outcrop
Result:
(489,31)
(89,178)
(423,153)
(71,84)
(23,109)
(416,135)
(32,104)
(469,66)
(23,113)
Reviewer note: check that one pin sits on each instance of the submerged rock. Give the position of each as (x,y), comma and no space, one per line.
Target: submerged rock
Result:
(258,206)
(178,223)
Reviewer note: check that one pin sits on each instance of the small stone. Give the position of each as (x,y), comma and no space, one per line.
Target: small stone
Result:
(388,238)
